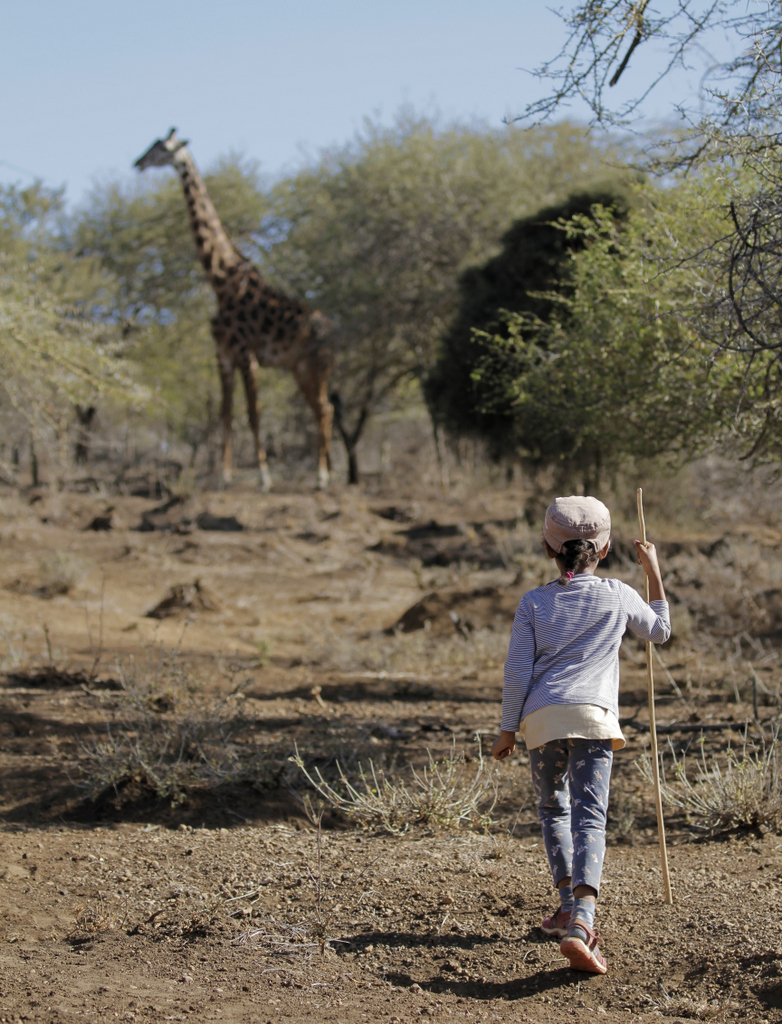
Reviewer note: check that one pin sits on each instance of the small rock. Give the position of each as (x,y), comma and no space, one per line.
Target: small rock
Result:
(446,901)
(175,514)
(228,524)
(415,987)
(186,598)
(186,979)
(104,522)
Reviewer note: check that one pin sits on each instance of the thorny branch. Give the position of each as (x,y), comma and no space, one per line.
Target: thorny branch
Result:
(736,105)
(638,15)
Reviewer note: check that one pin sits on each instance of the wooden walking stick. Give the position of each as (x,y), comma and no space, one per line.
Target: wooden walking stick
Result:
(658,799)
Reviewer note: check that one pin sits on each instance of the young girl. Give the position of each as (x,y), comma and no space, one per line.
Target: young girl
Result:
(562,686)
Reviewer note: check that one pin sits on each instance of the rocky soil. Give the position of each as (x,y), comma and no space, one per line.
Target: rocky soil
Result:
(350,629)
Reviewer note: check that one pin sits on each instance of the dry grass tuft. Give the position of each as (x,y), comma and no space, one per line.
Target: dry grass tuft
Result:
(417,653)
(284,941)
(60,572)
(449,794)
(162,734)
(744,792)
(94,916)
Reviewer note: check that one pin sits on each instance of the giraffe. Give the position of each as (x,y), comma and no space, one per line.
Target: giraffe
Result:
(255,323)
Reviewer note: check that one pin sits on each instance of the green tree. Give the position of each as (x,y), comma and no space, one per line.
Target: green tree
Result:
(591,367)
(55,352)
(377,232)
(729,127)
(529,277)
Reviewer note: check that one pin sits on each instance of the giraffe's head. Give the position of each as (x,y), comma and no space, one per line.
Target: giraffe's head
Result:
(162,152)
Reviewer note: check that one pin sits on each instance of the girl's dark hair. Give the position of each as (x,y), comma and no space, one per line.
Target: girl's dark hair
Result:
(574,557)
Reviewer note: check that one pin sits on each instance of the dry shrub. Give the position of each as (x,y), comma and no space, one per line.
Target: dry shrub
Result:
(187,598)
(95,916)
(60,572)
(162,733)
(744,792)
(452,793)
(691,1008)
(289,942)
(416,653)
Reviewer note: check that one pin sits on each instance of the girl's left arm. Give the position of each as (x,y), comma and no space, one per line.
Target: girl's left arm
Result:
(518,670)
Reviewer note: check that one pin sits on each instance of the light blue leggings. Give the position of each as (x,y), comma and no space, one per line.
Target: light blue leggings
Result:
(571,780)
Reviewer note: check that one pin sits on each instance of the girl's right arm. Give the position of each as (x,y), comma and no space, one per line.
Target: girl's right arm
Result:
(518,670)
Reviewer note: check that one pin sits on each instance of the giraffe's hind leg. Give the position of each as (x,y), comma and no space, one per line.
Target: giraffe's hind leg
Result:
(314,387)
(250,378)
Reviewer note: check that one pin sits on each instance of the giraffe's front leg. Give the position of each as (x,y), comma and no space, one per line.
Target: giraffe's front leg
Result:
(250,378)
(226,367)
(324,414)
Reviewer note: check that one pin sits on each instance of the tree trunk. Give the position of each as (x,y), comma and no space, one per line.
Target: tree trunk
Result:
(442,455)
(33,464)
(85,415)
(353,477)
(349,438)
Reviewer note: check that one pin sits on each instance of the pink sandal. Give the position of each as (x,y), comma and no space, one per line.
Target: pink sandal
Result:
(556,923)
(583,956)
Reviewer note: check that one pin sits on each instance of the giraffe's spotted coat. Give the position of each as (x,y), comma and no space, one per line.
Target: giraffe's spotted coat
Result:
(256,324)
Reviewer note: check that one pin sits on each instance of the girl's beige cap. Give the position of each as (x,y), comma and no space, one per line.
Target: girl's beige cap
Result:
(577,518)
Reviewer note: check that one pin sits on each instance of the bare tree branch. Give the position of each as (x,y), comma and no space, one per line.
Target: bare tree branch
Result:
(638,16)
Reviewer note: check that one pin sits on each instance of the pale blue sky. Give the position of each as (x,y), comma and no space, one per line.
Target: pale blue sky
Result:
(87,85)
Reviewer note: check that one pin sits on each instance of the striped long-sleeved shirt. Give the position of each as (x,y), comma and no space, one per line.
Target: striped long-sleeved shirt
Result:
(564,648)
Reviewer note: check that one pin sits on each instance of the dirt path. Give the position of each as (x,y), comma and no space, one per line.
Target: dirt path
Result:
(225,906)
(132,922)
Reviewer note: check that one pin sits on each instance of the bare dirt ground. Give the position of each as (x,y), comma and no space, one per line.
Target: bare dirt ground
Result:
(222,901)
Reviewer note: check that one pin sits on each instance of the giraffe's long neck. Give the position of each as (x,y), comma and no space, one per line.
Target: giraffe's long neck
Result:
(216,251)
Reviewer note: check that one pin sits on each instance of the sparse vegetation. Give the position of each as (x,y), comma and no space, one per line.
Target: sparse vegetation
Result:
(162,734)
(743,791)
(414,653)
(97,916)
(60,572)
(448,794)
(228,879)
